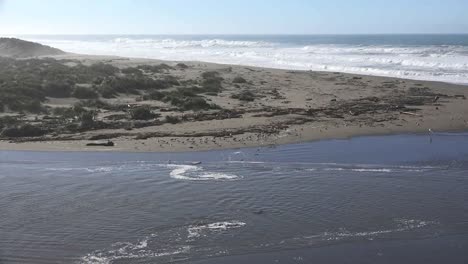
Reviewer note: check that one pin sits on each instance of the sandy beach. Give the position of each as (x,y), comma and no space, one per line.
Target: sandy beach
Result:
(282,107)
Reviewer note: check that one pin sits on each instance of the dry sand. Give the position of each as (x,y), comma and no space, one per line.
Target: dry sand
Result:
(291,107)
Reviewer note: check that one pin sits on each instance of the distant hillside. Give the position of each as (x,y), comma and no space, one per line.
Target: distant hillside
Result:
(12,47)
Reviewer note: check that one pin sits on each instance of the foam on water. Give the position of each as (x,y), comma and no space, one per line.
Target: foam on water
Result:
(162,245)
(178,171)
(127,251)
(103,169)
(447,63)
(378,169)
(384,170)
(199,230)
(402,226)
(343,234)
(345,167)
(197,173)
(166,244)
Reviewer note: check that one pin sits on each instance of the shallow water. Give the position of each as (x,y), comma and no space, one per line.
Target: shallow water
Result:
(280,203)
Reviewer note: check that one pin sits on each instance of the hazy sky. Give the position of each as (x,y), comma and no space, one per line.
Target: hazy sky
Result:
(232,16)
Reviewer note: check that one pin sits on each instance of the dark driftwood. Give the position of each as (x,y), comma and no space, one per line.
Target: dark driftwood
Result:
(103,144)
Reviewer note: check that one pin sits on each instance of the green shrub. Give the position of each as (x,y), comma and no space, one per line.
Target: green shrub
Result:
(182,66)
(210,75)
(26,130)
(107,91)
(33,106)
(172,119)
(64,112)
(247,96)
(142,113)
(87,119)
(25,84)
(93,103)
(103,69)
(154,95)
(58,89)
(8,121)
(170,80)
(132,71)
(239,79)
(112,86)
(84,93)
(212,85)
(188,92)
(25,105)
(195,103)
(156,68)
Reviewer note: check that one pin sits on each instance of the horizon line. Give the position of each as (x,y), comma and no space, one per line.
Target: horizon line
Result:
(228,34)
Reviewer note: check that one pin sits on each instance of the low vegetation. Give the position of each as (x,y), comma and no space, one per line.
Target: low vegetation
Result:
(26,84)
(245,95)
(172,119)
(25,130)
(142,113)
(84,93)
(239,79)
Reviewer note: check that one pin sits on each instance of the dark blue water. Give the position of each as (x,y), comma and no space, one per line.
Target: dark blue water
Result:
(392,199)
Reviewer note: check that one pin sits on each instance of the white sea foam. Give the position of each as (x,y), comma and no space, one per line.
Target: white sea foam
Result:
(247,162)
(126,251)
(199,230)
(447,63)
(159,245)
(378,168)
(197,173)
(104,169)
(359,170)
(206,43)
(403,225)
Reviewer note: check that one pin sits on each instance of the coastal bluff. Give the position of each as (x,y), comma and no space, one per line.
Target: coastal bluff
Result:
(17,48)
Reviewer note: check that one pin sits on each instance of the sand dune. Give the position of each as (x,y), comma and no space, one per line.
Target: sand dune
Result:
(17,48)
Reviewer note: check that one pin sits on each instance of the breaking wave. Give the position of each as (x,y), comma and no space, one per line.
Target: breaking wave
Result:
(197,173)
(177,171)
(447,63)
(207,43)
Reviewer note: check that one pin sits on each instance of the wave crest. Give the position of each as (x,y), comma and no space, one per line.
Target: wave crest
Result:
(197,173)
(205,43)
(446,63)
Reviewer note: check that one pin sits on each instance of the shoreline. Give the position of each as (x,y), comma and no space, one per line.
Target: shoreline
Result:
(287,107)
(71,55)
(76,146)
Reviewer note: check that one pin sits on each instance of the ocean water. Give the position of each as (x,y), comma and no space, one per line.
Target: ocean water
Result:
(385,199)
(423,57)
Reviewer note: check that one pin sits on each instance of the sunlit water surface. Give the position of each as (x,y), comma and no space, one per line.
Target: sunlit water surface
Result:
(159,208)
